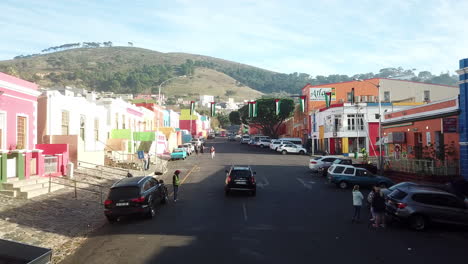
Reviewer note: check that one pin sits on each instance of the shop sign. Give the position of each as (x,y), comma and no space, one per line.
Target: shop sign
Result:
(449,125)
(318,94)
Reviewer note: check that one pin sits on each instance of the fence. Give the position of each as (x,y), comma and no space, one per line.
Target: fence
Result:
(50,164)
(420,166)
(97,189)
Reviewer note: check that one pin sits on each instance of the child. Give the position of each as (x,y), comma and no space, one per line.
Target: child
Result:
(357,203)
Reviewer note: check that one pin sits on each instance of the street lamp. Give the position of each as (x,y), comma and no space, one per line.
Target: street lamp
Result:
(380,123)
(160,105)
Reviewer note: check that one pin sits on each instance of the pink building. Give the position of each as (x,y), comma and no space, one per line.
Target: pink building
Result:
(18,132)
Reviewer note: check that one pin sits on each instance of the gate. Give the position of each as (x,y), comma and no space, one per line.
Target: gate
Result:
(50,164)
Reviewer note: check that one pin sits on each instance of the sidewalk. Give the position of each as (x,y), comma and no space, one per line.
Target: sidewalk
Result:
(57,220)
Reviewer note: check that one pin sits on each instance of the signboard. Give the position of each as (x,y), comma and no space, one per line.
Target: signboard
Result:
(449,125)
(396,137)
(141,154)
(318,94)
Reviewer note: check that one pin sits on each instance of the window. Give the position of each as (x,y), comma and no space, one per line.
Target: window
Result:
(65,123)
(349,97)
(82,127)
(21,133)
(339,169)
(351,120)
(2,129)
(355,121)
(96,129)
(363,173)
(329,159)
(147,186)
(386,96)
(349,171)
(427,96)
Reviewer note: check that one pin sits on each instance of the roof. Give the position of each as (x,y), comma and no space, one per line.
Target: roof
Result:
(377,79)
(423,189)
(128,182)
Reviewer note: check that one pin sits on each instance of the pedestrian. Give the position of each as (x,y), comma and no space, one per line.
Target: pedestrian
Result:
(202,148)
(370,197)
(196,149)
(145,160)
(378,206)
(212,150)
(148,162)
(357,203)
(176,183)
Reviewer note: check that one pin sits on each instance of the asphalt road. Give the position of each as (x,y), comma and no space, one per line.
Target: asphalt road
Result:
(295,218)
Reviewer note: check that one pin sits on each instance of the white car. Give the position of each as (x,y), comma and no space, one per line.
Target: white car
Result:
(291,148)
(192,147)
(245,139)
(238,136)
(196,141)
(263,143)
(276,143)
(317,162)
(186,148)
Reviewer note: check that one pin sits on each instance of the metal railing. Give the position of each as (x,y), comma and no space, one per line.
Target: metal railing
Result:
(345,128)
(420,166)
(77,185)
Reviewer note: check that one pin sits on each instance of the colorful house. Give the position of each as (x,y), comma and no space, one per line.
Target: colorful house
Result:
(192,123)
(20,156)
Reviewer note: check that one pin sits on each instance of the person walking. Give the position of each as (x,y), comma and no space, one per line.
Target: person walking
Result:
(357,203)
(148,161)
(196,150)
(378,206)
(202,148)
(145,160)
(212,150)
(176,183)
(370,197)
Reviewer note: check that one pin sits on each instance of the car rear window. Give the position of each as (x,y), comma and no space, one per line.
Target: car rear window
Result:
(349,171)
(398,194)
(240,173)
(339,169)
(124,193)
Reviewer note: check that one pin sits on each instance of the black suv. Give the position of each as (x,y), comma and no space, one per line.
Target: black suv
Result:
(136,195)
(240,178)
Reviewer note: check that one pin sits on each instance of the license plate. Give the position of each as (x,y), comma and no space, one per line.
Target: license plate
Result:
(242,183)
(121,204)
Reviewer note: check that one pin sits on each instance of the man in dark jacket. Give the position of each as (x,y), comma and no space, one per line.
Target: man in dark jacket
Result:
(378,205)
(176,183)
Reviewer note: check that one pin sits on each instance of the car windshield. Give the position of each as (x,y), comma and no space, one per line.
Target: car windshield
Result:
(178,150)
(240,173)
(122,193)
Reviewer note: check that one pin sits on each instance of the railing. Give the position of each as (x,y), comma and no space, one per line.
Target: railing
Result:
(344,128)
(100,170)
(78,185)
(50,164)
(420,166)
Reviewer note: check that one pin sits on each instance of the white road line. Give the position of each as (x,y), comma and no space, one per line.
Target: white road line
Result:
(304,183)
(245,212)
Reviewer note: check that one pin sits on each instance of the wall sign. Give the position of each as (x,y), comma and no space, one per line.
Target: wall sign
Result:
(449,125)
(318,94)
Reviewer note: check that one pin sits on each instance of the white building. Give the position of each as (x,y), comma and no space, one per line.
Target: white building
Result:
(205,100)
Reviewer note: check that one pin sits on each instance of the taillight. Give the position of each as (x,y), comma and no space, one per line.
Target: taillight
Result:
(313,162)
(107,202)
(139,200)
(229,179)
(252,179)
(401,205)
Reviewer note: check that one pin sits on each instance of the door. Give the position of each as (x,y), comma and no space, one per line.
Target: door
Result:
(363,177)
(11,168)
(418,150)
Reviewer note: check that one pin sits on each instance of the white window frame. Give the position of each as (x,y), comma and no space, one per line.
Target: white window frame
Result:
(26,144)
(5,134)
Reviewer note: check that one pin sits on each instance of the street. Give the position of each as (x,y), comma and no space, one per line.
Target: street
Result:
(296,217)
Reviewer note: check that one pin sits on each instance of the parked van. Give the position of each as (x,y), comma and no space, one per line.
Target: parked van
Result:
(295,141)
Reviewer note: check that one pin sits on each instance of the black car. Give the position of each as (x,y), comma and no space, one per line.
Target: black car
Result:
(136,195)
(240,178)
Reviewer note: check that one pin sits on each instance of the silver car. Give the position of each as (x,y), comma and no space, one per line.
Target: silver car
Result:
(422,205)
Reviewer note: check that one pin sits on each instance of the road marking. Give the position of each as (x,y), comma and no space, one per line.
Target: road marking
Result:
(245,212)
(308,186)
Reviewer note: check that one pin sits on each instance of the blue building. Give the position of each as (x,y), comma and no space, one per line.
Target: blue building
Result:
(463,119)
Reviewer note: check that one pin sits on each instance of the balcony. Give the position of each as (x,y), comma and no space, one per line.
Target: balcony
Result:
(341,129)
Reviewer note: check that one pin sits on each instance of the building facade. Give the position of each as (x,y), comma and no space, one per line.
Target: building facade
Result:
(463,117)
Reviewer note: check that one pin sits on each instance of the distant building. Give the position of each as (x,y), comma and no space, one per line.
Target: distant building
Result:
(205,100)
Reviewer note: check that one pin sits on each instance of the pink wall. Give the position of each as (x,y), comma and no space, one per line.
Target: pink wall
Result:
(373,135)
(17,103)
(185,124)
(53,150)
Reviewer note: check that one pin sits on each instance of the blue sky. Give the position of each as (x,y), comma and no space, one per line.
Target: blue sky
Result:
(315,37)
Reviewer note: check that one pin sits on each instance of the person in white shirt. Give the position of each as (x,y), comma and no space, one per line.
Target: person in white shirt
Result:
(357,203)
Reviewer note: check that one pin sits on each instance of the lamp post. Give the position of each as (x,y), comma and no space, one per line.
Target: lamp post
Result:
(159,114)
(380,123)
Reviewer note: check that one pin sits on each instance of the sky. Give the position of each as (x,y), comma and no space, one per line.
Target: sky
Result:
(315,37)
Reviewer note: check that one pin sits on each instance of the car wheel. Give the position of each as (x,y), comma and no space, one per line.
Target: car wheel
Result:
(164,199)
(284,152)
(152,211)
(343,185)
(418,222)
(111,219)
(302,152)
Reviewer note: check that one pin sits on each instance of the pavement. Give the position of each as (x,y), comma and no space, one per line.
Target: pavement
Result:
(296,217)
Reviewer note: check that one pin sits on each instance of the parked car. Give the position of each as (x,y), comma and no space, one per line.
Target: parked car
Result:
(324,166)
(240,178)
(238,136)
(316,163)
(211,136)
(196,141)
(263,143)
(421,205)
(457,187)
(186,148)
(245,139)
(291,148)
(136,195)
(295,141)
(231,138)
(178,153)
(192,147)
(347,175)
(275,143)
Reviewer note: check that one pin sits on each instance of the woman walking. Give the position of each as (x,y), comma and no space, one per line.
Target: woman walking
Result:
(357,203)
(212,150)
(378,206)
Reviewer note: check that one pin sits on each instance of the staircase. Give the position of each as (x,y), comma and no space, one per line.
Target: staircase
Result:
(28,188)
